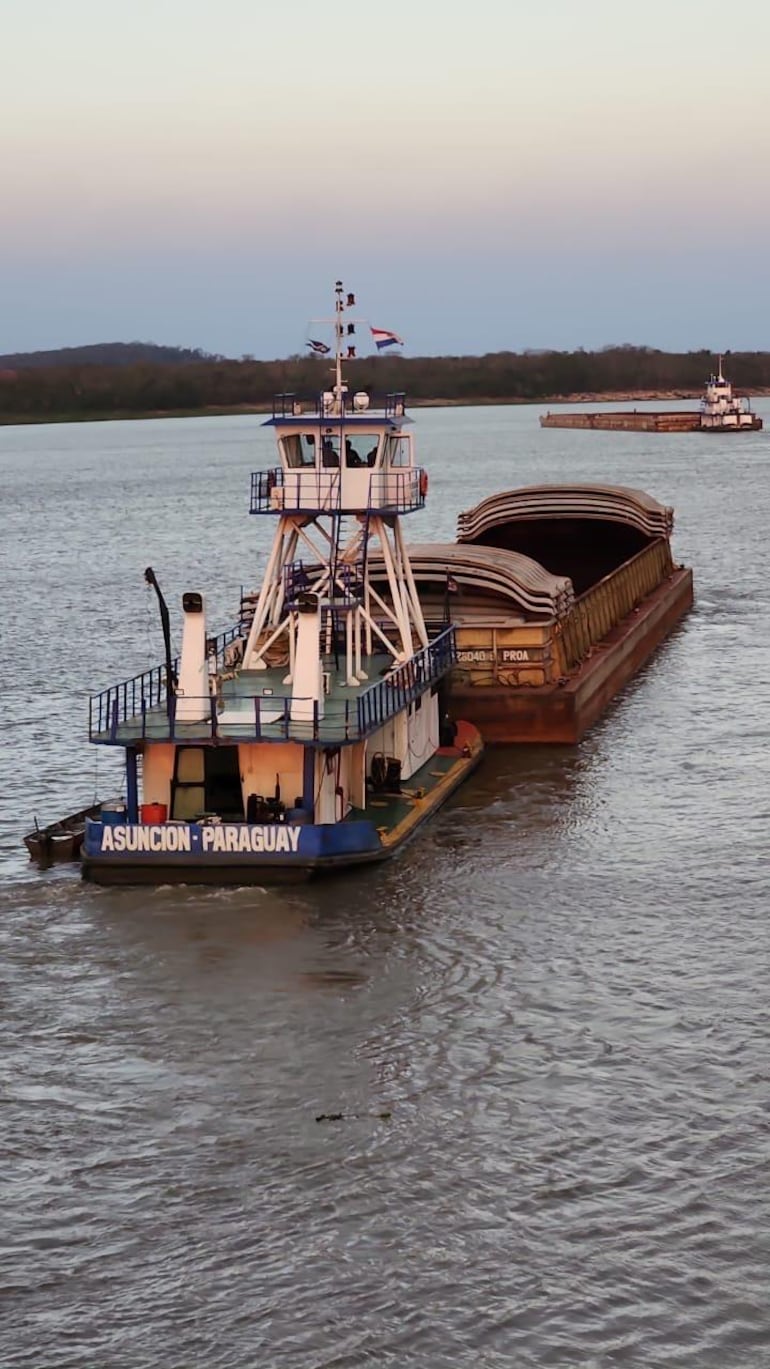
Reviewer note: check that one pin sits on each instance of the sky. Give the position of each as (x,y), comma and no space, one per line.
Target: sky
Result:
(490,176)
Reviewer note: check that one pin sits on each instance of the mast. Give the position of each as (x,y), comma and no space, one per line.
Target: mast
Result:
(338,334)
(332,503)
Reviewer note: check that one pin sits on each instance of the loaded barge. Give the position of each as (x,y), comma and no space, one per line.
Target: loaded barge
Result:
(558,594)
(720,411)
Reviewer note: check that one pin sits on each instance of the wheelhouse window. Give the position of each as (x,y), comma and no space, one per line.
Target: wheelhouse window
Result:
(298,450)
(330,451)
(398,452)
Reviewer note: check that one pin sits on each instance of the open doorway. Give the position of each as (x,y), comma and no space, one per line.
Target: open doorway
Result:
(206,780)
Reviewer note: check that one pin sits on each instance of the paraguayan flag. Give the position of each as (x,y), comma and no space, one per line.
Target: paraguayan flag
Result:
(383,338)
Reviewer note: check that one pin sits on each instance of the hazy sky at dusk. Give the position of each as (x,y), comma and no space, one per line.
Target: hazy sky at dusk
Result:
(485,176)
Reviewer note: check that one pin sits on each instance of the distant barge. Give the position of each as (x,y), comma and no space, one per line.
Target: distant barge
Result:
(720,411)
(542,652)
(629,421)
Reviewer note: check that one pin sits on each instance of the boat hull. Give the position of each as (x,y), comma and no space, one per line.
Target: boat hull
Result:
(648,421)
(47,849)
(625,421)
(563,712)
(253,854)
(60,841)
(755,426)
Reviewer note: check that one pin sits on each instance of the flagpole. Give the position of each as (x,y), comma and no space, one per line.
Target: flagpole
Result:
(338,329)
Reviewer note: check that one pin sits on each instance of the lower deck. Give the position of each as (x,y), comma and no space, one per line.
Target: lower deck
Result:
(219,851)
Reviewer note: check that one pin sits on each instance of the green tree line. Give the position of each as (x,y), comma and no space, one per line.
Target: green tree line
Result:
(43,393)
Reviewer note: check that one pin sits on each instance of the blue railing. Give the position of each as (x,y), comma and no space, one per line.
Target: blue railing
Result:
(287,406)
(291,405)
(389,696)
(346,590)
(141,709)
(307,489)
(132,698)
(136,697)
(257,717)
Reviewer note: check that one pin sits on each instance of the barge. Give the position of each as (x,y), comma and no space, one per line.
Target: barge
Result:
(721,411)
(559,594)
(627,420)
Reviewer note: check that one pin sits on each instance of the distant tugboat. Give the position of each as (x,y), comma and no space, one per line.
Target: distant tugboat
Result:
(723,412)
(311,735)
(720,412)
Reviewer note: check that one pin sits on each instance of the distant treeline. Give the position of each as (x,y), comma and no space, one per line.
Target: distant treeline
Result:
(105,354)
(205,383)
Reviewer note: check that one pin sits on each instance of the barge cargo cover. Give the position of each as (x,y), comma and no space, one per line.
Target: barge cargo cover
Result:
(559,595)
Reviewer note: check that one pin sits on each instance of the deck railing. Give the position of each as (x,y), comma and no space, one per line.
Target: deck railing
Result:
(398,490)
(256,717)
(383,700)
(347,587)
(310,489)
(142,693)
(141,709)
(291,405)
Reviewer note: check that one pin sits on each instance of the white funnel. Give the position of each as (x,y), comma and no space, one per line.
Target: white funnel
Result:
(307,683)
(192,690)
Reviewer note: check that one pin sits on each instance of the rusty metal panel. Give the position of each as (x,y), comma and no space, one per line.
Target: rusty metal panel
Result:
(605,605)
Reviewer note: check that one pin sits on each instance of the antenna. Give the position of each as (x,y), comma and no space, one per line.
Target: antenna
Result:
(343,350)
(338,332)
(344,300)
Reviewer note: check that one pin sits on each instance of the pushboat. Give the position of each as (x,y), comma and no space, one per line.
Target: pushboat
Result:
(313,734)
(722,411)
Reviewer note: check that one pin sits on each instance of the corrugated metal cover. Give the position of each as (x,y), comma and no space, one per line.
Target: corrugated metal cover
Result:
(607,503)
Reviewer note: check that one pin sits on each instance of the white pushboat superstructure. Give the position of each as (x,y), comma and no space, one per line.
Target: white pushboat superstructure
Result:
(722,411)
(312,734)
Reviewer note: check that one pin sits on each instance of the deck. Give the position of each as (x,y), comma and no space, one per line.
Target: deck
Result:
(394,815)
(253,705)
(244,854)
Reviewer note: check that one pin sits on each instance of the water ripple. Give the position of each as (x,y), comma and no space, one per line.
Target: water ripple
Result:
(538,1040)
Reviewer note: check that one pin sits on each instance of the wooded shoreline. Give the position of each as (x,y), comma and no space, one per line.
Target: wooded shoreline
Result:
(218,387)
(263,410)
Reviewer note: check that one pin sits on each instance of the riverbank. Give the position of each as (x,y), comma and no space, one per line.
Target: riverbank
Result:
(119,415)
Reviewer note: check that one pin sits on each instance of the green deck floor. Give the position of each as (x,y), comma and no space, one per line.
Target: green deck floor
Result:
(237,715)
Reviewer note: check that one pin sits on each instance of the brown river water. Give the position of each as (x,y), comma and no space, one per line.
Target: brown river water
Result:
(545,1025)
